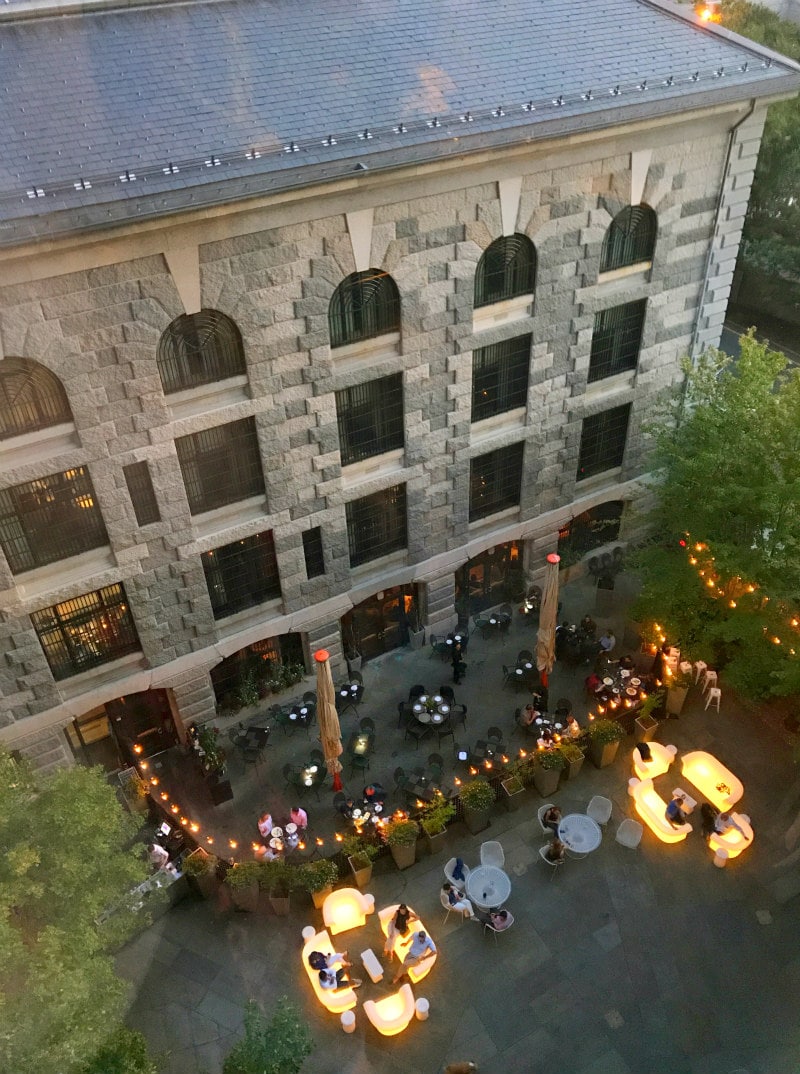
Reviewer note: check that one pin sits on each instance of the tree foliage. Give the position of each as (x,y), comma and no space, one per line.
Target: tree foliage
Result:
(125,1052)
(278,1045)
(727,457)
(64,862)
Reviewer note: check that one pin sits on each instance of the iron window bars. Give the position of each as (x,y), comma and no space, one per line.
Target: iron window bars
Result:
(500,377)
(31,398)
(616,340)
(221,465)
(495,481)
(241,574)
(370,418)
(83,633)
(142,493)
(603,441)
(506,269)
(50,519)
(376,525)
(630,239)
(364,305)
(199,348)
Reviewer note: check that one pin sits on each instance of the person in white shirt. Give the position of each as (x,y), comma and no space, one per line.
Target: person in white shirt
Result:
(422,947)
(264,825)
(725,821)
(157,855)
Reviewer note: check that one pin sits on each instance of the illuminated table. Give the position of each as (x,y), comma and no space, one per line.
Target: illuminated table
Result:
(733,840)
(714,781)
(662,758)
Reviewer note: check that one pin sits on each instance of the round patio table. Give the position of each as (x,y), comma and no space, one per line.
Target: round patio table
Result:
(488,887)
(580,833)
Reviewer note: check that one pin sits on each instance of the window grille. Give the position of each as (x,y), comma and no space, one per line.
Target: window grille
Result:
(31,398)
(363,306)
(142,493)
(313,552)
(85,632)
(199,348)
(616,340)
(495,481)
(603,441)
(506,270)
(370,418)
(376,525)
(241,574)
(50,519)
(221,465)
(589,530)
(630,239)
(500,377)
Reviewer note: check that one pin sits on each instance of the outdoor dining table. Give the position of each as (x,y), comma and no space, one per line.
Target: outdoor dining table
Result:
(348,695)
(488,887)
(429,709)
(486,751)
(302,714)
(360,743)
(457,636)
(425,787)
(580,833)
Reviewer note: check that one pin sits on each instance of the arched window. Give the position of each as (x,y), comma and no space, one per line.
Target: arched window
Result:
(31,398)
(365,305)
(506,270)
(199,348)
(631,238)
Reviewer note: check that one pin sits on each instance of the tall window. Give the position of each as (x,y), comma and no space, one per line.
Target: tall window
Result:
(506,270)
(313,552)
(376,525)
(90,630)
(630,239)
(365,305)
(616,340)
(500,377)
(199,348)
(50,519)
(221,465)
(31,398)
(603,441)
(370,418)
(242,574)
(495,481)
(142,493)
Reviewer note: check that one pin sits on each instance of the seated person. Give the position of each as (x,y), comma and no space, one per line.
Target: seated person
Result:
(709,814)
(398,926)
(346,808)
(644,752)
(422,947)
(573,727)
(593,683)
(299,817)
(458,901)
(499,920)
(626,663)
(552,818)
(374,793)
(674,812)
(724,822)
(545,740)
(337,979)
(588,627)
(528,714)
(556,851)
(265,825)
(607,642)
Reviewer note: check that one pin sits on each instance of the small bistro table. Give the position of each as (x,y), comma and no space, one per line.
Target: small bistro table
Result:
(488,887)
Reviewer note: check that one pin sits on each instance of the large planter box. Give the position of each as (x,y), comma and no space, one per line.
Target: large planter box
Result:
(279,905)
(545,780)
(513,793)
(435,842)
(319,897)
(477,819)
(573,767)
(246,898)
(416,638)
(645,728)
(675,699)
(361,868)
(603,755)
(404,857)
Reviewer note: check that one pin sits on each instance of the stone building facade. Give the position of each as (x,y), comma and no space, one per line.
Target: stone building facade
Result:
(94,310)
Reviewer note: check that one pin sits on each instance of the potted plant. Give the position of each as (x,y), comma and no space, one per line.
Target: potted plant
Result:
(244,883)
(247,690)
(401,838)
(547,768)
(359,856)
(416,630)
(604,739)
(573,758)
(278,879)
(318,878)
(434,818)
(513,788)
(201,869)
(677,689)
(646,724)
(477,798)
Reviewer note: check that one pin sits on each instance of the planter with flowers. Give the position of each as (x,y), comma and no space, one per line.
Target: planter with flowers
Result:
(318,878)
(434,818)
(477,798)
(401,838)
(604,739)
(547,768)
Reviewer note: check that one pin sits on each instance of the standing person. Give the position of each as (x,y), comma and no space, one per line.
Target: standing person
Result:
(709,815)
(157,855)
(422,947)
(457,662)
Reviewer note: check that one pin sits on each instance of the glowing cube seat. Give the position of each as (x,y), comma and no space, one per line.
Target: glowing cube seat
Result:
(652,808)
(336,1000)
(662,758)
(401,943)
(734,841)
(346,909)
(392,1014)
(714,781)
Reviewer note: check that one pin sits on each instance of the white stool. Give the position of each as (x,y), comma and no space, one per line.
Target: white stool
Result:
(714,694)
(421,1009)
(721,858)
(348,1020)
(699,669)
(709,679)
(633,783)
(371,965)
(685,667)
(308,933)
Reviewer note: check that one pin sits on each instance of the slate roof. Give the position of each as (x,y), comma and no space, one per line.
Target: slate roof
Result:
(132,112)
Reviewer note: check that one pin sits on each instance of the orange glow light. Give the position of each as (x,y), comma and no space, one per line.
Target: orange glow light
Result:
(194,827)
(137,748)
(232,844)
(164,796)
(175,809)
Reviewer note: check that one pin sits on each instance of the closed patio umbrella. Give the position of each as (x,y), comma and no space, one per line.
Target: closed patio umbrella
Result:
(328,719)
(548,620)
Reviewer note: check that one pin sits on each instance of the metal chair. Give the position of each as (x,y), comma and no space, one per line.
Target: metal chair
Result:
(629,833)
(445,730)
(338,800)
(458,716)
(448,872)
(448,693)
(404,713)
(523,655)
(599,809)
(366,725)
(443,899)
(290,773)
(540,812)
(317,757)
(416,691)
(554,865)
(309,698)
(439,647)
(401,780)
(488,926)
(356,676)
(417,731)
(509,675)
(494,734)
(563,707)
(360,762)
(492,853)
(436,759)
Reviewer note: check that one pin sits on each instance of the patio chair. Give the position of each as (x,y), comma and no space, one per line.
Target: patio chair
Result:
(439,647)
(492,853)
(417,731)
(494,734)
(448,693)
(554,865)
(563,707)
(416,691)
(445,730)
(290,773)
(443,899)
(436,759)
(309,698)
(540,812)
(404,713)
(523,655)
(401,780)
(509,676)
(359,762)
(448,872)
(629,833)
(366,725)
(458,716)
(599,809)
(316,757)
(489,927)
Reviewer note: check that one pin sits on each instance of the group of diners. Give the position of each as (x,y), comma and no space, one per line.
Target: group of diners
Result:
(277,839)
(549,728)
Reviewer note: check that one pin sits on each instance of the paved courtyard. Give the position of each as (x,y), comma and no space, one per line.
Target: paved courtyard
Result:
(648,961)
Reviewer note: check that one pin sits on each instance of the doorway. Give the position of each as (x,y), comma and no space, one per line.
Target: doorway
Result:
(488,579)
(381,623)
(124,731)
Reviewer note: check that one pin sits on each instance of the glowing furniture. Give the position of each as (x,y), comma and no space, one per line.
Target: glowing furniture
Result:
(401,943)
(599,809)
(372,965)
(391,1015)
(652,808)
(348,1020)
(733,841)
(448,872)
(337,1000)
(422,1009)
(714,781)
(346,909)
(714,695)
(721,858)
(662,758)
(629,833)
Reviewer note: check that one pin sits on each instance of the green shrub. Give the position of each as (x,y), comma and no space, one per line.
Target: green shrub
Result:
(401,833)
(604,732)
(477,794)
